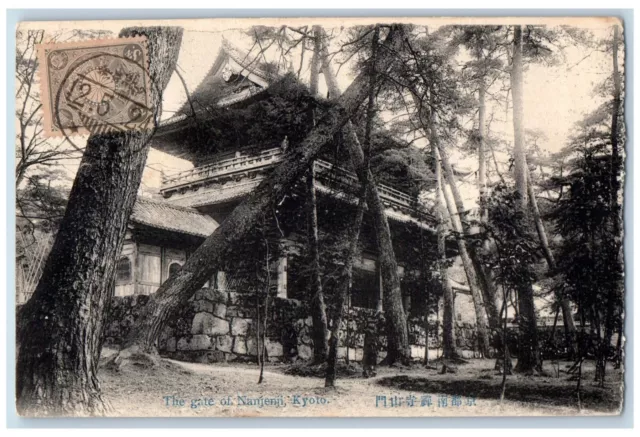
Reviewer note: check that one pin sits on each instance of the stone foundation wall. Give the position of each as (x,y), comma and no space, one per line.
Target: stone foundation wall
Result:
(221,326)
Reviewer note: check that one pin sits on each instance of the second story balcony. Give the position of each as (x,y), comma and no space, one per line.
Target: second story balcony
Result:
(230,179)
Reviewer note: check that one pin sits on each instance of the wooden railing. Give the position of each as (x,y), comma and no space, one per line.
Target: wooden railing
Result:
(269,158)
(222,167)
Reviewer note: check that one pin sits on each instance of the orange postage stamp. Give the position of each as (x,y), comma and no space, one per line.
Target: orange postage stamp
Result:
(95,86)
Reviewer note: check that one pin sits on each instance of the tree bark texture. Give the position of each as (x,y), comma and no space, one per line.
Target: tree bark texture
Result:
(529,353)
(212,253)
(467,263)
(613,297)
(343,292)
(317,304)
(487,284)
(519,152)
(569,324)
(397,333)
(60,328)
(482,160)
(449,348)
(472,265)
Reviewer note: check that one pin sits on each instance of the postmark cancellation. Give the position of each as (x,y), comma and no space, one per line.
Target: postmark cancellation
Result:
(96,86)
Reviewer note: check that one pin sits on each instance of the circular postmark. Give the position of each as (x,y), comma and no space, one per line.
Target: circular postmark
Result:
(104,93)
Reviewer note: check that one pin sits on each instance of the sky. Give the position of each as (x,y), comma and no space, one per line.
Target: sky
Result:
(555,98)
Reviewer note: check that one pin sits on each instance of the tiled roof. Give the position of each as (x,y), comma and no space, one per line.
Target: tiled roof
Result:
(161,215)
(214,91)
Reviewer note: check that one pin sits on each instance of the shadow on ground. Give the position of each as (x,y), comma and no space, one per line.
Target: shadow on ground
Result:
(536,390)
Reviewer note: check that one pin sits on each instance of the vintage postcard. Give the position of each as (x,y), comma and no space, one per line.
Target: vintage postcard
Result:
(319,217)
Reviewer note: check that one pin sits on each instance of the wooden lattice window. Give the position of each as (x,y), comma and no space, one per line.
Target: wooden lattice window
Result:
(123,270)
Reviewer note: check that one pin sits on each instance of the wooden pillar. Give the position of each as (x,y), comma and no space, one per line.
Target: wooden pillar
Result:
(135,270)
(406,297)
(221,280)
(379,307)
(282,276)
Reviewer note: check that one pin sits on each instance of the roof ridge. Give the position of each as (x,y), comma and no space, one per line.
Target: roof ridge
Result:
(254,67)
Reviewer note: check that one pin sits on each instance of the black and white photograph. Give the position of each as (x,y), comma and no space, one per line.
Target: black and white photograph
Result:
(320,217)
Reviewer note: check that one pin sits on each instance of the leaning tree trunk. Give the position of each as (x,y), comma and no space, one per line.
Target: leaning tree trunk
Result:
(487,284)
(567,318)
(317,304)
(397,334)
(455,212)
(472,265)
(484,294)
(213,252)
(481,321)
(60,328)
(529,352)
(449,349)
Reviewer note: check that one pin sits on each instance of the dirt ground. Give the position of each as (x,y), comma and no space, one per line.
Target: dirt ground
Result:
(231,390)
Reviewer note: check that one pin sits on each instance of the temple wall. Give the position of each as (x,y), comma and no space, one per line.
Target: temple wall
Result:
(218,326)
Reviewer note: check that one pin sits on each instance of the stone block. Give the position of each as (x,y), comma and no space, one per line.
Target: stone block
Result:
(200,306)
(183,344)
(224,343)
(234,298)
(219,310)
(274,349)
(305,352)
(208,357)
(342,352)
(239,326)
(239,345)
(308,321)
(232,311)
(252,346)
(298,325)
(171,345)
(305,338)
(230,357)
(200,342)
(212,295)
(205,323)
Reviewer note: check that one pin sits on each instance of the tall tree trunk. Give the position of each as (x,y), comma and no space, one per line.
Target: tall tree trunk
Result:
(613,299)
(471,263)
(567,318)
(482,161)
(570,331)
(208,258)
(519,152)
(317,304)
(481,320)
(344,291)
(529,352)
(58,360)
(397,333)
(615,132)
(456,210)
(449,348)
(487,284)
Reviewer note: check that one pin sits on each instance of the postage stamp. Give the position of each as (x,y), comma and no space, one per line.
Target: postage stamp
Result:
(96,86)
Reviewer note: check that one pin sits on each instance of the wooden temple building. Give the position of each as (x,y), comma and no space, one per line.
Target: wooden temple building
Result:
(164,231)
